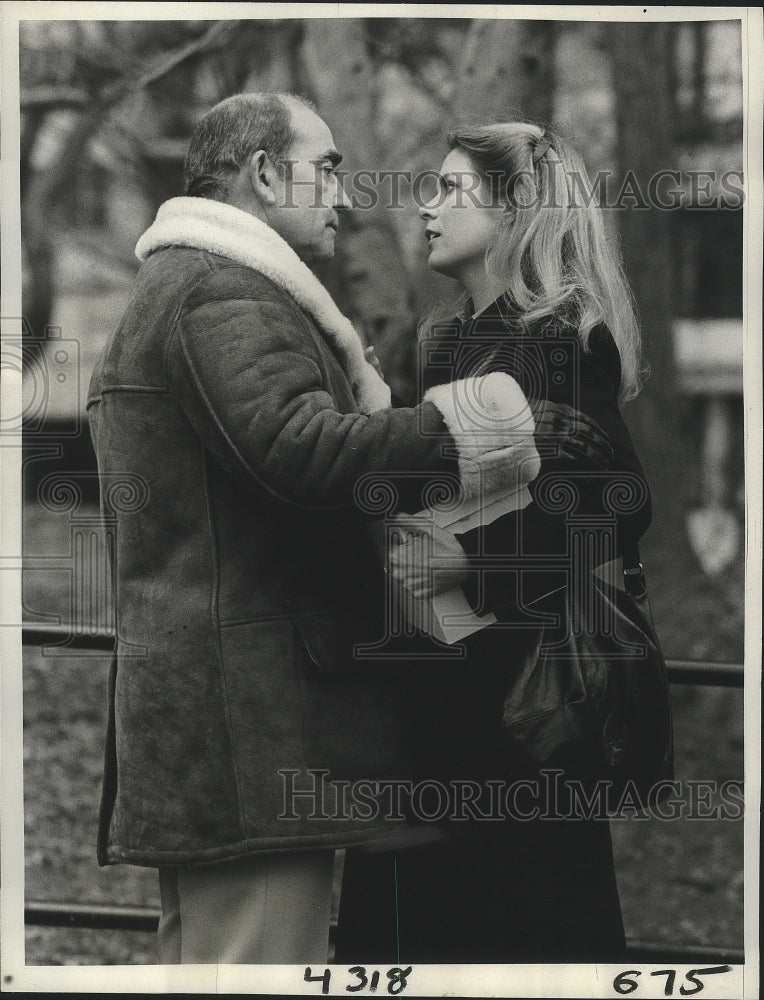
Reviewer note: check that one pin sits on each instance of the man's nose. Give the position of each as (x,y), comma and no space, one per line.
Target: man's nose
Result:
(341,201)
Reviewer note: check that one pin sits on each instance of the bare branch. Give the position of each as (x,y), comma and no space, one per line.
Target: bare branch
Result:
(219,32)
(418,79)
(53,98)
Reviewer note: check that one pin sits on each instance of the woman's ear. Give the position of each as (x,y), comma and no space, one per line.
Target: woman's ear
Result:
(263,177)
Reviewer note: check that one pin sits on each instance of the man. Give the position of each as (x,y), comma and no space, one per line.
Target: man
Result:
(241,397)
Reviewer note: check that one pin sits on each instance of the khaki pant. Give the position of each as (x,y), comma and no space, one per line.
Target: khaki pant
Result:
(270,909)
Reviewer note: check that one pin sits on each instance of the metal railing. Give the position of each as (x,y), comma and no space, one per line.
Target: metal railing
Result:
(95,916)
(679,671)
(143,918)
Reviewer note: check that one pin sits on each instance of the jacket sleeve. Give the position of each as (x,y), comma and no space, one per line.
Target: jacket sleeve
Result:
(249,378)
(590,478)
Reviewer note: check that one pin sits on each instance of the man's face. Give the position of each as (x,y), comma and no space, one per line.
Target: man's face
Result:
(309,195)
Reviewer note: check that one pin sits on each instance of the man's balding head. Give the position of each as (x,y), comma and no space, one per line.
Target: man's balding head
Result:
(273,156)
(231,132)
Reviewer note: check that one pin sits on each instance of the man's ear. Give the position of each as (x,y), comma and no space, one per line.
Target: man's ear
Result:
(263,177)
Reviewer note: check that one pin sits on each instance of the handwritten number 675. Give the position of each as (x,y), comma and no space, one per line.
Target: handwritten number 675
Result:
(626,982)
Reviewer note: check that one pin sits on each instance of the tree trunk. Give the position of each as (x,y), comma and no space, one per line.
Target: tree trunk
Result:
(538,70)
(640,60)
(507,72)
(377,292)
(44,191)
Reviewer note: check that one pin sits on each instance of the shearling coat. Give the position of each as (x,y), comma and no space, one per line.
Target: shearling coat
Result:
(245,575)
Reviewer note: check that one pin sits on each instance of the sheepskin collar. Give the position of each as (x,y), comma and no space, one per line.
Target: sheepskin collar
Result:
(233,233)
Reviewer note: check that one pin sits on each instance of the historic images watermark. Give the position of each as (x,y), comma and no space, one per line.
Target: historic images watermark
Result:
(47,418)
(51,371)
(550,796)
(556,493)
(87,568)
(397,190)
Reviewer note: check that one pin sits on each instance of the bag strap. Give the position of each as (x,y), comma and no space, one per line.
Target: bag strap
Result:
(633,572)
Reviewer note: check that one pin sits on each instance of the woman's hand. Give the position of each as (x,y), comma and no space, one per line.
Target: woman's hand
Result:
(426,560)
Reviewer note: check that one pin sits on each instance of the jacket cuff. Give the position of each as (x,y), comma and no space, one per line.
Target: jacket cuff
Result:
(492,426)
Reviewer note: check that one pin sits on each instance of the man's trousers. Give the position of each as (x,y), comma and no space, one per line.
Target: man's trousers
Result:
(269,909)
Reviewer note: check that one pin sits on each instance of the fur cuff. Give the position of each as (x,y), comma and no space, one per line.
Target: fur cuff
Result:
(492,425)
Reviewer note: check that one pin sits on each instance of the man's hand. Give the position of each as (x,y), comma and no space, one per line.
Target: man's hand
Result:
(373,360)
(426,559)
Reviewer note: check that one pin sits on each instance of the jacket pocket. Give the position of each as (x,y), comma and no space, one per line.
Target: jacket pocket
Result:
(327,642)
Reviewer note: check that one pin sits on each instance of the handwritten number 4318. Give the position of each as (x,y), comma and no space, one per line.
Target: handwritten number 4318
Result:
(396,980)
(626,982)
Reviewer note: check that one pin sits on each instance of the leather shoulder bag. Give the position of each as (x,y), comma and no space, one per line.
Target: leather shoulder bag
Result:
(592,698)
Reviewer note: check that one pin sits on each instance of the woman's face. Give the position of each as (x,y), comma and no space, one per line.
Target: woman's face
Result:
(461,223)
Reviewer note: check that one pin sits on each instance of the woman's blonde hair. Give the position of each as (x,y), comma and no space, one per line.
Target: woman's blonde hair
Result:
(553,256)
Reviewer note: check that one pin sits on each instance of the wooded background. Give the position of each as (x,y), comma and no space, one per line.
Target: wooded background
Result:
(107,109)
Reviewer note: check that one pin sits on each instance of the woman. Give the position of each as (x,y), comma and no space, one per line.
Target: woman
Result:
(545,301)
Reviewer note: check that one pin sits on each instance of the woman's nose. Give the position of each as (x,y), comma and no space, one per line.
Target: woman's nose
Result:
(426,210)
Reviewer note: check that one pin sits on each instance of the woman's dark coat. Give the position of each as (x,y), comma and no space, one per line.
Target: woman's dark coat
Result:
(504,888)
(590,504)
